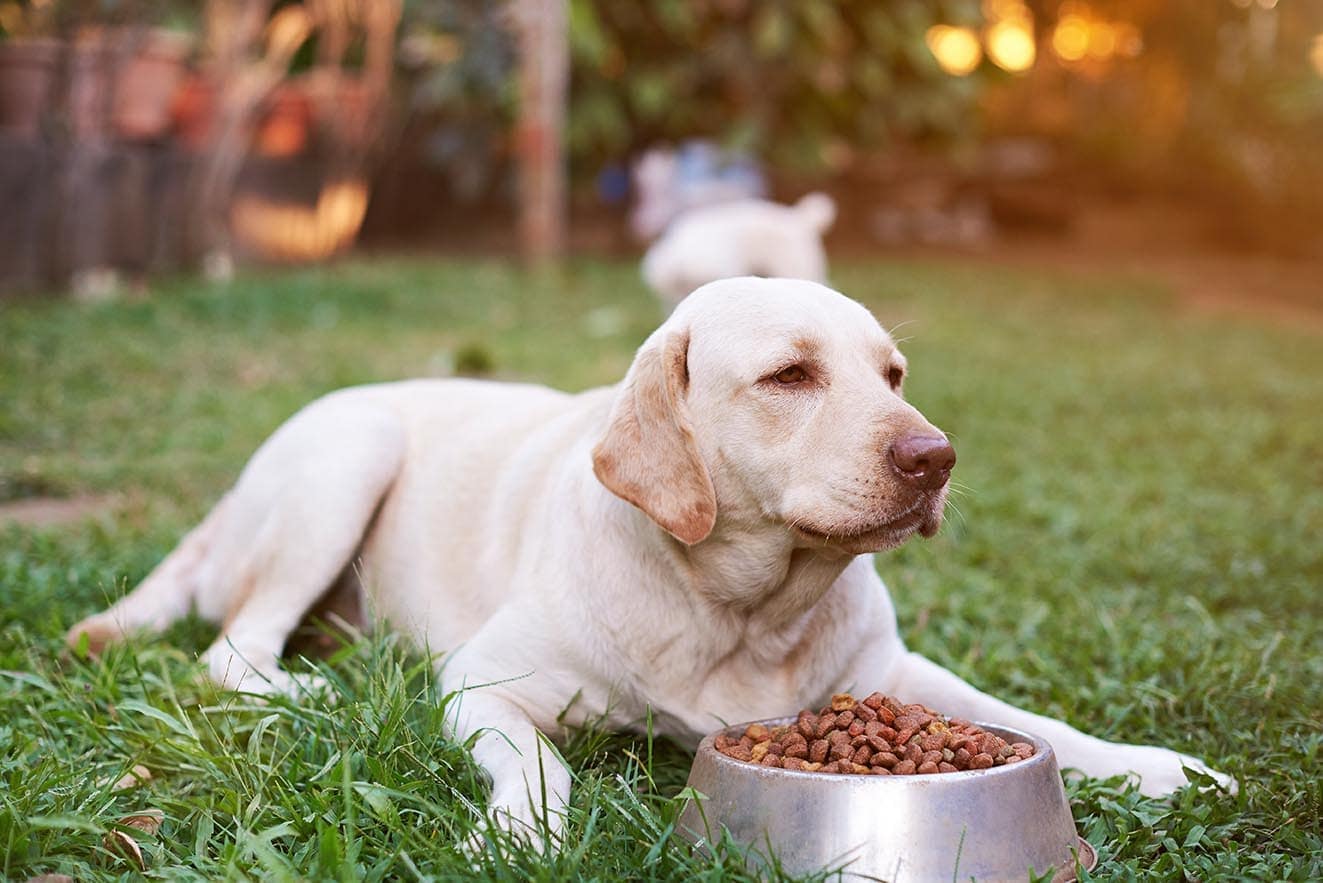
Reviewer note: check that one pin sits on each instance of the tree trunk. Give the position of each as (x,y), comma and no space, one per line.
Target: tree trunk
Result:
(542,30)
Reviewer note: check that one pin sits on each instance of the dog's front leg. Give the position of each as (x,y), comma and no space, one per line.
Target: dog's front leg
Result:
(913,678)
(530,784)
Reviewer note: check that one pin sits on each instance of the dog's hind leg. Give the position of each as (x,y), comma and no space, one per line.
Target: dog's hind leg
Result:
(274,543)
(165,595)
(334,469)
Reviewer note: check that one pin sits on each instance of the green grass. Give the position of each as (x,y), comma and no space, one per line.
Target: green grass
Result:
(1137,549)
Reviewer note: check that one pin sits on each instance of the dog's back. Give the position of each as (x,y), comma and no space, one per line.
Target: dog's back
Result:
(445,514)
(369,476)
(750,237)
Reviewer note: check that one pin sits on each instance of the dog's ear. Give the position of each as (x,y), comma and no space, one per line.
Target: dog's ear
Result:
(648,455)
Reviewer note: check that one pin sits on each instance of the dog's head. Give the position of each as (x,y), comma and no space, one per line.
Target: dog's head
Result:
(775,401)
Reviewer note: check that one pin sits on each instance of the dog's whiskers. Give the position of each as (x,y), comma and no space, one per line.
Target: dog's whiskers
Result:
(894,328)
(956,510)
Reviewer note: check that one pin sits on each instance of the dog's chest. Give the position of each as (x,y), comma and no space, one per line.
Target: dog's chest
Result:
(700,678)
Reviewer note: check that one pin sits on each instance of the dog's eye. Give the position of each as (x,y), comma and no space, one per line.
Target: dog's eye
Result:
(894,376)
(790,376)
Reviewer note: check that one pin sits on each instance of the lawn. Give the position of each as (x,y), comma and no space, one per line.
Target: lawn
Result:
(1135,547)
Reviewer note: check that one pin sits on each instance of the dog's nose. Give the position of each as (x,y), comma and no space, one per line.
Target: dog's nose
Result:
(924,460)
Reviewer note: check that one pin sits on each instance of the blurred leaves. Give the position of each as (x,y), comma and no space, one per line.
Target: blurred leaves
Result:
(456,63)
(782,79)
(1222,105)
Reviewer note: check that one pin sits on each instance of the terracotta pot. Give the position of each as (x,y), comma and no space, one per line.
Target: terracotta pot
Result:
(27,77)
(286,121)
(147,82)
(90,66)
(193,112)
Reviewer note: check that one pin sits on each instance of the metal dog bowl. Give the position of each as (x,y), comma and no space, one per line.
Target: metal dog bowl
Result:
(986,825)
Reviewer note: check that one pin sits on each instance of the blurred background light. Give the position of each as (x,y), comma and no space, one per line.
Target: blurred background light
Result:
(11,17)
(1316,54)
(1129,40)
(1011,45)
(1102,40)
(1070,38)
(956,49)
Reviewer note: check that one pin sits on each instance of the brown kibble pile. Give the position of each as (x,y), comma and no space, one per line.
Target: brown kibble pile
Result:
(875,736)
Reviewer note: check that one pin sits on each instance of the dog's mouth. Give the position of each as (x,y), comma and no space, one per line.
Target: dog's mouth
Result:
(924,517)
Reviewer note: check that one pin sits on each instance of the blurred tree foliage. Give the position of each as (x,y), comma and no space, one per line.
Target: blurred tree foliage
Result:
(40,18)
(1222,92)
(1223,104)
(1253,119)
(457,58)
(800,83)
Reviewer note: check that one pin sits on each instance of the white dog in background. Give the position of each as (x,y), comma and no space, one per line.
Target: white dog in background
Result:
(747,237)
(692,543)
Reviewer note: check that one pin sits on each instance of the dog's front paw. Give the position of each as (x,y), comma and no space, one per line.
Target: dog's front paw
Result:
(95,633)
(514,821)
(1160,771)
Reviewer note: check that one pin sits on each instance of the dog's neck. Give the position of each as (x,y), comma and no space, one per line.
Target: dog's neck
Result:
(757,570)
(748,582)
(747,595)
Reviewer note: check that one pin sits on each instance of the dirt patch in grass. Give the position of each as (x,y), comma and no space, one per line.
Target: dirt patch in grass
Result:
(56,511)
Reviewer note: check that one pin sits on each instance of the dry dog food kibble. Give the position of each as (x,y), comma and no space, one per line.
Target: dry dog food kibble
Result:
(877,736)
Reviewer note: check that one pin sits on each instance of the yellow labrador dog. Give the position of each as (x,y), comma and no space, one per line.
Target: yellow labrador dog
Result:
(694,540)
(746,237)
